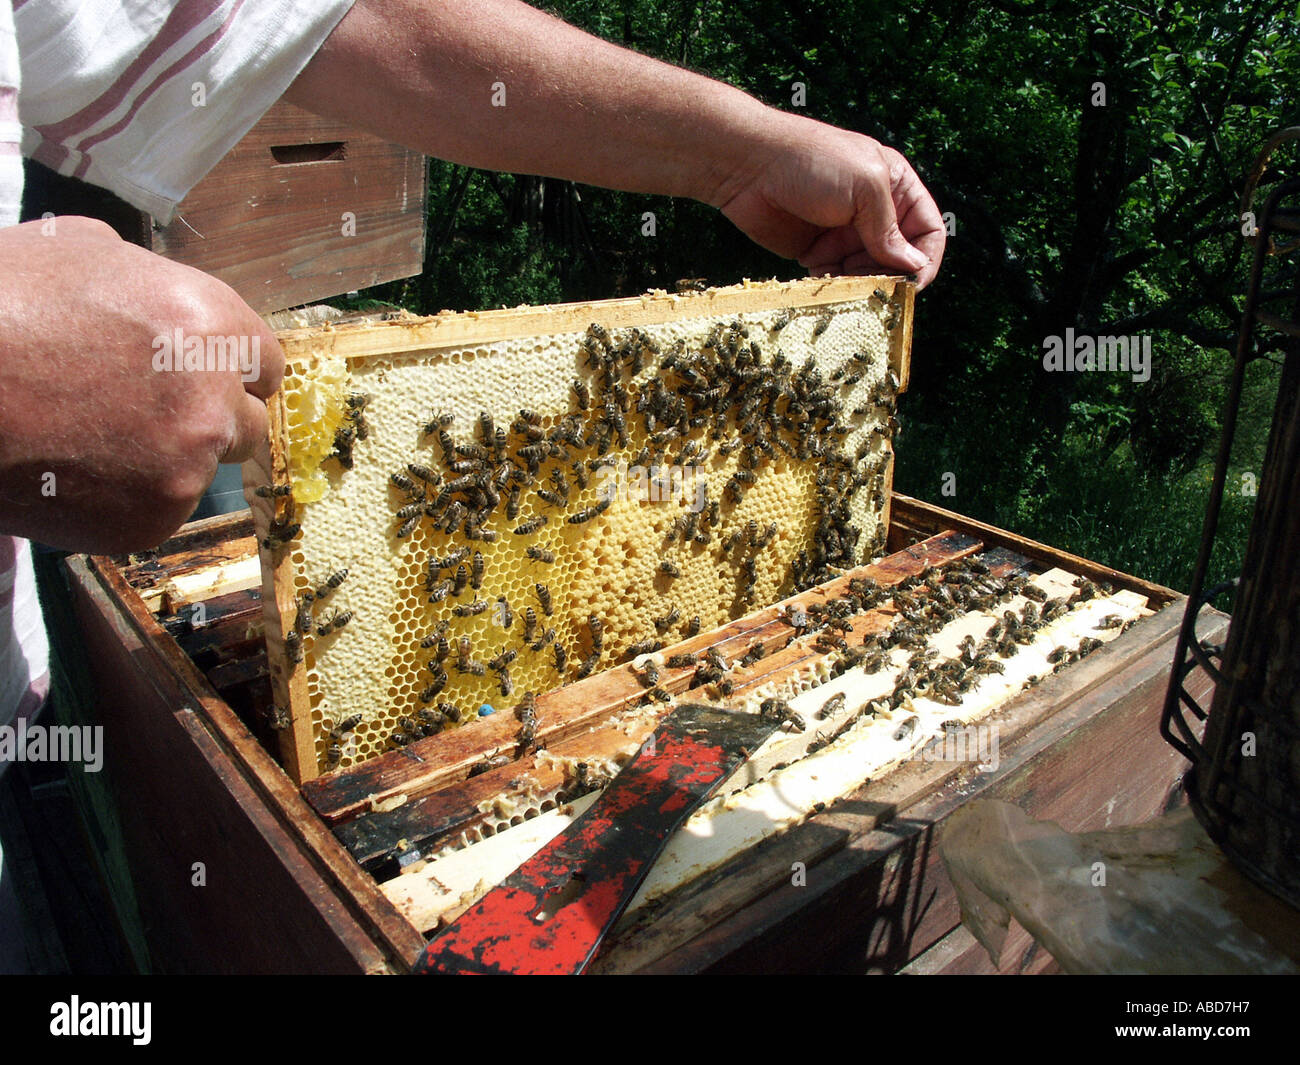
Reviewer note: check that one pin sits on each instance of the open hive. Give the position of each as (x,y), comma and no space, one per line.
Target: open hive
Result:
(464,509)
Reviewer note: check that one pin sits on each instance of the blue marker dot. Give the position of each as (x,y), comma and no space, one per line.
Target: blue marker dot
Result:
(486,709)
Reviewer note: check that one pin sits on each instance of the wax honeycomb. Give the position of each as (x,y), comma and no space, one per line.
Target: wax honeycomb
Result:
(759,406)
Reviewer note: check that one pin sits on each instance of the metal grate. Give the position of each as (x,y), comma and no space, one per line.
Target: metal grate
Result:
(1244,766)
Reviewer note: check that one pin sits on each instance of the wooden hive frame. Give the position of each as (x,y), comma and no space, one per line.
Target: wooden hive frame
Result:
(360,344)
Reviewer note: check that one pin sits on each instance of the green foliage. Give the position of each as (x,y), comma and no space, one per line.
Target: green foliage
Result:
(1111,220)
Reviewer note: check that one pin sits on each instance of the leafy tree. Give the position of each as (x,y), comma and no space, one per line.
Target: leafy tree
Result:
(1092,157)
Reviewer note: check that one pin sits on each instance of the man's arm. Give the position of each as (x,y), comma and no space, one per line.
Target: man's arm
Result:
(422,73)
(103,448)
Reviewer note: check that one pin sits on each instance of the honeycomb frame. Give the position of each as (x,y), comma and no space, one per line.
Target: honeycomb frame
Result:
(467,363)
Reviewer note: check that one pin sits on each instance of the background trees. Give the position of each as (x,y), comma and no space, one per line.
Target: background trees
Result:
(1112,212)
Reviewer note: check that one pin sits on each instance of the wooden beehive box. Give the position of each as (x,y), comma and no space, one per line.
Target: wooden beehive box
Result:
(301,209)
(361,863)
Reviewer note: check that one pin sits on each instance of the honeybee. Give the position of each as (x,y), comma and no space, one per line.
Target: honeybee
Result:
(302,622)
(531,526)
(831,706)
(470,610)
(590,512)
(344,437)
(346,726)
(431,692)
(293,646)
(670,569)
(279,536)
(334,622)
(437,422)
(408,526)
(588,665)
(274,491)
(540,554)
(544,597)
(561,657)
(505,615)
(476,572)
(780,710)
(502,660)
(428,476)
(460,580)
(438,592)
(331,583)
(496,761)
(663,624)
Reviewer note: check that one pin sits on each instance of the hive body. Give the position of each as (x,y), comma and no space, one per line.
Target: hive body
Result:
(751,464)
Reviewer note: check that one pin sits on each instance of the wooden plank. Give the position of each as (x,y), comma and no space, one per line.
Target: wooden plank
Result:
(202,789)
(270,466)
(269,218)
(448,330)
(960,954)
(228,621)
(198,547)
(876,894)
(439,760)
(915,518)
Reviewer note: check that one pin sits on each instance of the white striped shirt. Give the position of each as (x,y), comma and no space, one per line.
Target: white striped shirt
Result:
(142,97)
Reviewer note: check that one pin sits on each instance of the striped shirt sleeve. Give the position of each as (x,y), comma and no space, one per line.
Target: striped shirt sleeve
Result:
(144,97)
(11,165)
(24,651)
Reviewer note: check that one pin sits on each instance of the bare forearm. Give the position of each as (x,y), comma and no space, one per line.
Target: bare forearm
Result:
(431,73)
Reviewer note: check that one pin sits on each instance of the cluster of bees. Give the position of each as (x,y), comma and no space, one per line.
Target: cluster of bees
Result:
(728,395)
(305,623)
(924,603)
(354,428)
(928,601)
(282,528)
